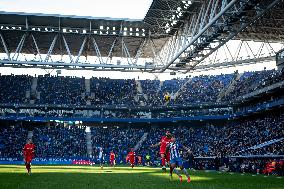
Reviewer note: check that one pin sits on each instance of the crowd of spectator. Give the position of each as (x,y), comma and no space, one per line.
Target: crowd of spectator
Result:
(51,141)
(150,92)
(203,88)
(251,81)
(105,91)
(235,138)
(255,136)
(246,137)
(252,165)
(60,141)
(130,92)
(118,140)
(12,140)
(13,88)
(61,90)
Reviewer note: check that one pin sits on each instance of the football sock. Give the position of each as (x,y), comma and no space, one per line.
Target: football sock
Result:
(163,162)
(171,171)
(177,172)
(27,166)
(185,172)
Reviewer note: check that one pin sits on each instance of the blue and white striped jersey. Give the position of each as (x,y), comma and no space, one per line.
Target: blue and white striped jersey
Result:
(101,156)
(174,150)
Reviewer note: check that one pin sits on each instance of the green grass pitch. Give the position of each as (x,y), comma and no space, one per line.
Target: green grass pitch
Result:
(81,177)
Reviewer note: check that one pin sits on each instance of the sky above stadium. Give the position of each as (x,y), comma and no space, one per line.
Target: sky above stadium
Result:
(132,9)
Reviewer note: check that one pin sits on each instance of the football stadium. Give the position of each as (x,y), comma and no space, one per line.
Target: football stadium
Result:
(134,94)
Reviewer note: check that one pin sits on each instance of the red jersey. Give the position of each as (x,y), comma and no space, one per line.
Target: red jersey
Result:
(112,156)
(164,142)
(29,150)
(131,156)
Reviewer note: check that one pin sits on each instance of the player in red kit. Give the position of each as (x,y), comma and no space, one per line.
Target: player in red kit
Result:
(112,159)
(165,155)
(131,157)
(29,153)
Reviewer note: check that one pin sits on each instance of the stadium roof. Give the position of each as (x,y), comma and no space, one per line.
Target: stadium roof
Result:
(109,37)
(171,14)
(268,27)
(75,28)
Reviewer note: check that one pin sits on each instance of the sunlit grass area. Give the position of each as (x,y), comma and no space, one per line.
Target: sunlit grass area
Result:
(43,177)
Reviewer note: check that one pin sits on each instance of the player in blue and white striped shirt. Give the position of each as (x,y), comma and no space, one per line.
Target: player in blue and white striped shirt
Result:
(101,157)
(176,160)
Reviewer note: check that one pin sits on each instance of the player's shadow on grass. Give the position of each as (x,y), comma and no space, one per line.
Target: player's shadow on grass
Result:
(89,180)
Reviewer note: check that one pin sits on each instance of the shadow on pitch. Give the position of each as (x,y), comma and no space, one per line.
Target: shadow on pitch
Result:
(150,179)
